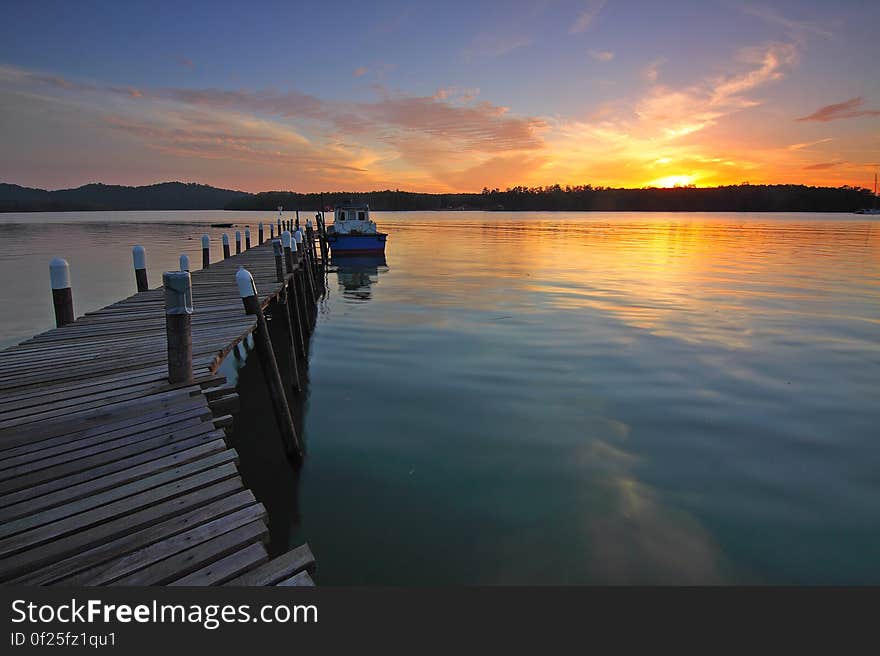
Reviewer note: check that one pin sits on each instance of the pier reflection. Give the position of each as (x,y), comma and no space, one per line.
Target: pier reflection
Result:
(357,274)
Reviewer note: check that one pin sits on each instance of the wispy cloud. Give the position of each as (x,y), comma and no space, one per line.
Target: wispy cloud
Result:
(488,44)
(852,108)
(823,166)
(439,135)
(809,144)
(602,55)
(796,28)
(586,17)
(680,112)
(652,71)
(362,70)
(185,61)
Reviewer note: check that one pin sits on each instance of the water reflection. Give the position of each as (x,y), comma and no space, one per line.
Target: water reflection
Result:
(633,398)
(357,274)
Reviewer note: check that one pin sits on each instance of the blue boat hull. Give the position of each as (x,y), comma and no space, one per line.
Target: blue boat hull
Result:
(342,245)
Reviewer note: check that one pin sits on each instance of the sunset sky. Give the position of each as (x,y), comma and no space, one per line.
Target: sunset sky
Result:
(443,96)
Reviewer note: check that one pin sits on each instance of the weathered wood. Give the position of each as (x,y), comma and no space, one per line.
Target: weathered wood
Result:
(277,569)
(110,473)
(298,580)
(183,563)
(226,568)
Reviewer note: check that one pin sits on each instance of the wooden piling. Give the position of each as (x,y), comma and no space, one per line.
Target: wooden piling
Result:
(225,246)
(238,242)
(284,306)
(178,325)
(247,239)
(248,291)
(206,252)
(286,242)
(62,295)
(278,250)
(140,268)
(304,251)
(260,234)
(184,263)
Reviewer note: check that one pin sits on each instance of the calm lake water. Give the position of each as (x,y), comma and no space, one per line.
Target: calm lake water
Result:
(554,398)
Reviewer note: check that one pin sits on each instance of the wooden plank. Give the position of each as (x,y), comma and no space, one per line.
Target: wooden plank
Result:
(80,541)
(280,567)
(40,534)
(300,580)
(112,570)
(180,564)
(70,488)
(120,494)
(226,568)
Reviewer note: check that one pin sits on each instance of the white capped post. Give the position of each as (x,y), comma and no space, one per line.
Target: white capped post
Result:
(139,255)
(184,263)
(247,239)
(178,325)
(62,296)
(225,246)
(286,241)
(206,251)
(260,234)
(238,242)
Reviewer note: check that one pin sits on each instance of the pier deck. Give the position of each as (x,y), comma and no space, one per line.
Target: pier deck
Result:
(111,475)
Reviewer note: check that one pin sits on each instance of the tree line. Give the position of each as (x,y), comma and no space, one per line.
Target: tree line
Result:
(733,198)
(184,196)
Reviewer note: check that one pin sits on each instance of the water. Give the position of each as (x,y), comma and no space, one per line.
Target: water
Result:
(560,398)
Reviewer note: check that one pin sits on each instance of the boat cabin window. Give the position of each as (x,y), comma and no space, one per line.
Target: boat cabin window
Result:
(362,216)
(342,216)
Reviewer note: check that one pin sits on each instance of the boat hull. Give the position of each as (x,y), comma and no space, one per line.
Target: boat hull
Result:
(350,245)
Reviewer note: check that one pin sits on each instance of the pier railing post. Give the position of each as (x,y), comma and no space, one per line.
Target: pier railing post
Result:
(178,325)
(225,246)
(304,252)
(260,234)
(139,255)
(271,231)
(62,295)
(238,242)
(184,263)
(249,298)
(247,239)
(206,251)
(286,242)
(279,265)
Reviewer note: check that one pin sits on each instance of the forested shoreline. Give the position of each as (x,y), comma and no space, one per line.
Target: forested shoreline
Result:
(190,196)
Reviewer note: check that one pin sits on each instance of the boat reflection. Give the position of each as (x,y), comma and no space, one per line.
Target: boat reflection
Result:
(357,273)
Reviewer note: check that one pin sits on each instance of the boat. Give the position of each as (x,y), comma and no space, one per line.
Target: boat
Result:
(353,233)
(871,210)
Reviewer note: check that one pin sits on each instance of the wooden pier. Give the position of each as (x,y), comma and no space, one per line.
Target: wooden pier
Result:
(109,474)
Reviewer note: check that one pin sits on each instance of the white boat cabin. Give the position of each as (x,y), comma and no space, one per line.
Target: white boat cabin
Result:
(353,220)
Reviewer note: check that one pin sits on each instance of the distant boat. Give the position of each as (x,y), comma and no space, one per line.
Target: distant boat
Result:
(353,233)
(874,209)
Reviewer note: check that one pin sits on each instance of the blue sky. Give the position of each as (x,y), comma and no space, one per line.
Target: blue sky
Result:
(438,96)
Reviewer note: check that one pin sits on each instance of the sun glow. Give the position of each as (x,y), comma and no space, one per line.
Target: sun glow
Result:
(673,181)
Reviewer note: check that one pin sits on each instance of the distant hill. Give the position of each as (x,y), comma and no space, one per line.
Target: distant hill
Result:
(162,196)
(190,196)
(733,198)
